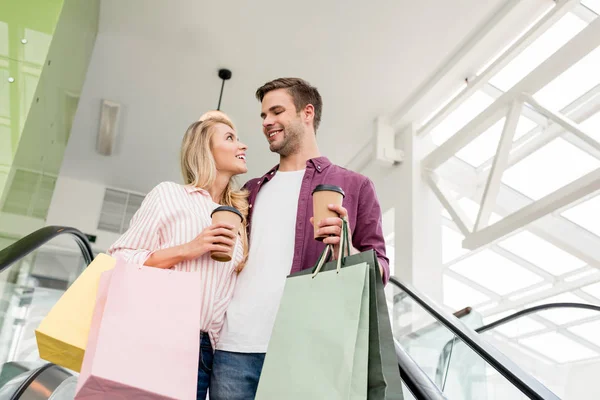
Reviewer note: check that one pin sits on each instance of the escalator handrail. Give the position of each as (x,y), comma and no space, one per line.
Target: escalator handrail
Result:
(523,381)
(482,329)
(532,310)
(32,377)
(33,241)
(417,381)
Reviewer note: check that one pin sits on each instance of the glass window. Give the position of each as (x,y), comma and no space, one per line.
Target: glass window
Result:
(593,5)
(553,166)
(581,214)
(571,84)
(589,331)
(468,110)
(457,295)
(592,126)
(484,147)
(561,316)
(519,327)
(471,210)
(558,347)
(541,253)
(495,272)
(593,289)
(542,48)
(451,244)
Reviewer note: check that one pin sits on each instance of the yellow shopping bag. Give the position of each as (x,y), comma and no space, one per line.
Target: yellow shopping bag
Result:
(63,334)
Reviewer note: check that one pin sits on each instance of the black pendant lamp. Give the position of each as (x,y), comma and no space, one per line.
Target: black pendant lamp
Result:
(225,75)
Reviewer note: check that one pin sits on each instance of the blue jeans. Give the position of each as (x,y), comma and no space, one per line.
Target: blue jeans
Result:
(205,364)
(235,375)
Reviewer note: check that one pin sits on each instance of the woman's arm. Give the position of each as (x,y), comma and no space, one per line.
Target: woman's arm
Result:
(141,243)
(216,237)
(143,235)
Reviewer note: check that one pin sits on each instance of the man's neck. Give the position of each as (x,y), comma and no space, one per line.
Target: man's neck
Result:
(297,161)
(307,150)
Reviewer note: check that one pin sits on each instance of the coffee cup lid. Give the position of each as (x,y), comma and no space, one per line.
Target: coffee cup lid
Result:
(329,188)
(228,208)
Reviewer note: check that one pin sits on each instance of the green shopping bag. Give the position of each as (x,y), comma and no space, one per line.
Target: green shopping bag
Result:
(384,382)
(319,345)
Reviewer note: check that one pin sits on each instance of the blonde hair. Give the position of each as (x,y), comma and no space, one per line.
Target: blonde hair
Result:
(215,114)
(199,169)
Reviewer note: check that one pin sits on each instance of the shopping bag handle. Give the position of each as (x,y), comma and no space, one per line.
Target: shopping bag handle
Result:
(343,252)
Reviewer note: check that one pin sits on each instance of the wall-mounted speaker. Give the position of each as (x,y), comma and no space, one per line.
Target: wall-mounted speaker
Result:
(107,132)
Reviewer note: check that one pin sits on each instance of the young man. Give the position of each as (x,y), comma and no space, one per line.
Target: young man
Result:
(281,231)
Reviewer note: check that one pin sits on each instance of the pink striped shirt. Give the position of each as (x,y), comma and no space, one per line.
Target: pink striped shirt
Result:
(172,215)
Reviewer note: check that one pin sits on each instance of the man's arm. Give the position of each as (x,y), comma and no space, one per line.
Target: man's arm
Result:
(368,232)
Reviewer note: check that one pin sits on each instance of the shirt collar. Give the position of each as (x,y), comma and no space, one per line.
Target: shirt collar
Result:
(318,163)
(193,189)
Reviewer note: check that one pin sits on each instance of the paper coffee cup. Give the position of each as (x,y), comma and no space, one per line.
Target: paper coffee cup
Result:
(230,215)
(323,195)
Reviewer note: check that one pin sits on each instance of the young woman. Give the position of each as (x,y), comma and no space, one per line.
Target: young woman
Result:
(173,227)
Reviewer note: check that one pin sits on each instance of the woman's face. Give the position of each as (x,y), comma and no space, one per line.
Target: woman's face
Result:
(229,153)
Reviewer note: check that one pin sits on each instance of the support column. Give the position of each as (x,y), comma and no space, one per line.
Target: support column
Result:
(416,215)
(418,229)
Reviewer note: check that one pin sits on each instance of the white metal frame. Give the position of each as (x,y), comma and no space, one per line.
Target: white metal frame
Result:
(559,10)
(510,104)
(483,184)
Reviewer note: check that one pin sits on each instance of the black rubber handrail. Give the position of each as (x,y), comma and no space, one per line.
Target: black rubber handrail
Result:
(32,377)
(414,378)
(33,241)
(532,310)
(443,362)
(523,381)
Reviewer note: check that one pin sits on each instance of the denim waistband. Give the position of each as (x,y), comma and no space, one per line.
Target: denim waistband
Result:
(205,340)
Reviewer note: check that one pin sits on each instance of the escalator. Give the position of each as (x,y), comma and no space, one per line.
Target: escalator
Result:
(467,359)
(440,355)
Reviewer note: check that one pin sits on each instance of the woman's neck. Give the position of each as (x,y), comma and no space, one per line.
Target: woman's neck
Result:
(217,189)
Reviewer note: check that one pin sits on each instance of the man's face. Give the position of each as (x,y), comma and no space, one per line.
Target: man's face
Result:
(282,124)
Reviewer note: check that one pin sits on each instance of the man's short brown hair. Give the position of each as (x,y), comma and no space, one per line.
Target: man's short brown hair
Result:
(301,91)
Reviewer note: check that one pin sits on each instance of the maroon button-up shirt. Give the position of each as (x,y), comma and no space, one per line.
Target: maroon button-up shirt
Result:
(364,212)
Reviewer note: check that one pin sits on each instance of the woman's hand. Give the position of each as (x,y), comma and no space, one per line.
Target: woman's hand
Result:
(216,237)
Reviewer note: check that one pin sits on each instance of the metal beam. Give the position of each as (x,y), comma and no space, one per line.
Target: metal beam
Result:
(557,230)
(485,28)
(579,110)
(526,111)
(564,122)
(459,218)
(558,288)
(564,196)
(492,186)
(577,48)
(559,10)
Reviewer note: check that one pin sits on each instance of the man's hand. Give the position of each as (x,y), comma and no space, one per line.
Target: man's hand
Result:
(332,228)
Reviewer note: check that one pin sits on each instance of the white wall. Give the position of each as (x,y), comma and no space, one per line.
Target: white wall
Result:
(77,203)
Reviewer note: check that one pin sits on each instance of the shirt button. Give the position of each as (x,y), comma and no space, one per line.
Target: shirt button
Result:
(319,167)
(272,173)
(250,206)
(259,182)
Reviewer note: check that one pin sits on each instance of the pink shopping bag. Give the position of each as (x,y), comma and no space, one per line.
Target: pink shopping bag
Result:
(145,334)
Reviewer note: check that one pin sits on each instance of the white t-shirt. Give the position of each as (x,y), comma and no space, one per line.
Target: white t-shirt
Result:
(251,314)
